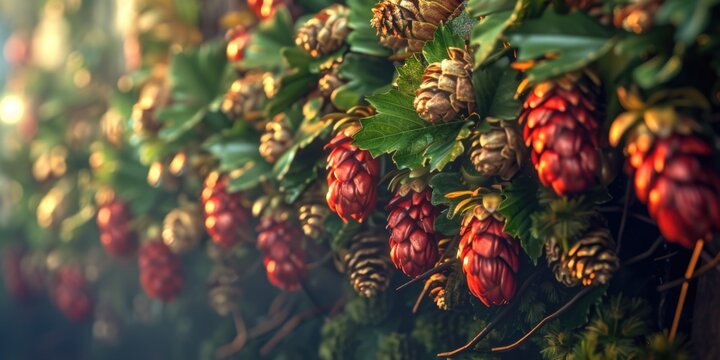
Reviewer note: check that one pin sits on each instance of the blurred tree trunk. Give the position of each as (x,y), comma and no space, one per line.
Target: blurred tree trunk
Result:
(706,317)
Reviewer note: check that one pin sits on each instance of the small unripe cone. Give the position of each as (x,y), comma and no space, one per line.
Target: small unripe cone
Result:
(312,211)
(352,173)
(409,23)
(498,152)
(276,139)
(70,293)
(160,271)
(489,256)
(562,128)
(329,82)
(591,260)
(325,32)
(367,264)
(182,229)
(224,294)
(678,180)
(226,217)
(247,97)
(280,242)
(237,39)
(413,240)
(116,234)
(446,89)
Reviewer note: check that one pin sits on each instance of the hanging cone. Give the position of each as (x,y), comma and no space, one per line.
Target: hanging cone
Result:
(446,89)
(325,32)
(367,264)
(499,151)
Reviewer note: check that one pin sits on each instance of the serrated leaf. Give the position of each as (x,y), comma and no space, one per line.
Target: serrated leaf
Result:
(366,74)
(363,39)
(495,88)
(435,50)
(398,130)
(410,76)
(237,151)
(520,201)
(498,16)
(443,153)
(574,40)
(267,40)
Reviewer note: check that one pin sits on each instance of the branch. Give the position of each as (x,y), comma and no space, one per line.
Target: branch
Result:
(702,270)
(623,219)
(420,298)
(491,325)
(684,289)
(287,328)
(426,275)
(547,319)
(238,342)
(645,254)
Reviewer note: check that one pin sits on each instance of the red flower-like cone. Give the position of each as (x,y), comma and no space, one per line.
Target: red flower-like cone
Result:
(560,120)
(14,277)
(283,256)
(116,236)
(413,241)
(70,293)
(237,39)
(265,9)
(160,271)
(225,216)
(489,257)
(680,184)
(352,179)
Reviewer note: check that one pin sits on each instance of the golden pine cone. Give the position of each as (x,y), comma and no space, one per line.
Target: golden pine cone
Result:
(325,32)
(590,261)
(368,264)
(446,89)
(312,210)
(224,294)
(247,97)
(498,152)
(409,23)
(182,229)
(276,139)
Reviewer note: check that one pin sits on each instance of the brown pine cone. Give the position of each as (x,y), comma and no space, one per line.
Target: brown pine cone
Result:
(555,257)
(367,264)
(247,97)
(435,285)
(677,178)
(325,32)
(489,256)
(561,121)
(498,152)
(224,294)
(226,217)
(409,23)
(182,229)
(446,89)
(276,139)
(312,211)
(590,261)
(636,16)
(280,242)
(329,82)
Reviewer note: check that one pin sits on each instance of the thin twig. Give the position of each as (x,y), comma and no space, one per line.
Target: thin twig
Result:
(320,261)
(623,219)
(631,214)
(491,325)
(276,315)
(708,257)
(547,319)
(648,253)
(426,275)
(420,298)
(238,342)
(684,289)
(313,299)
(702,270)
(666,256)
(287,328)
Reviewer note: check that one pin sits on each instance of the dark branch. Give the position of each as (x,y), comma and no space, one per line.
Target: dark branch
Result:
(623,220)
(648,253)
(426,275)
(702,270)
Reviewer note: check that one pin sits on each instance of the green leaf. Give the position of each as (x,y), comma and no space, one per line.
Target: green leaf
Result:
(366,74)
(578,314)
(690,17)
(398,130)
(447,226)
(657,70)
(444,183)
(410,76)
(341,231)
(574,40)
(292,87)
(498,16)
(298,179)
(443,153)
(435,50)
(363,39)
(267,40)
(495,88)
(519,203)
(237,151)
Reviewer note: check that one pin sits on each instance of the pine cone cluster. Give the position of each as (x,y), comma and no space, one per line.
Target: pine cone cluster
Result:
(562,127)
(160,271)
(446,90)
(70,293)
(499,151)
(352,173)
(411,222)
(116,235)
(367,264)
(677,178)
(410,23)
(247,97)
(237,39)
(224,294)
(182,229)
(590,261)
(280,242)
(277,138)
(325,32)
(226,217)
(489,256)
(312,211)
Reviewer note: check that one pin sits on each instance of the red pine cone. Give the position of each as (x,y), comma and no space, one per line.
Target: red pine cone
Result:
(561,126)
(160,271)
(680,184)
(225,216)
(14,277)
(237,39)
(413,241)
(283,256)
(265,9)
(352,178)
(71,295)
(489,257)
(116,236)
